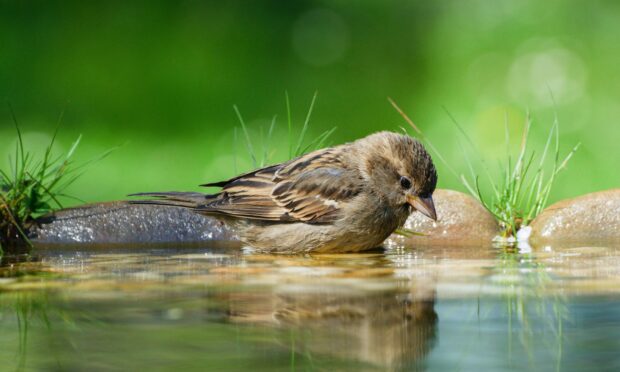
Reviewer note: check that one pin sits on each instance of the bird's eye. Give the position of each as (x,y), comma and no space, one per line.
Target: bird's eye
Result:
(405,182)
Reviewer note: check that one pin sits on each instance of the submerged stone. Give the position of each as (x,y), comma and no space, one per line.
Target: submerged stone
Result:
(461,220)
(124,223)
(587,219)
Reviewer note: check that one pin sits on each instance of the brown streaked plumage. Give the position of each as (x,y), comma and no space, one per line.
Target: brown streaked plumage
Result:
(340,199)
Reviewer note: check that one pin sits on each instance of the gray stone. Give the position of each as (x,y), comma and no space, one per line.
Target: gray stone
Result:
(588,219)
(124,223)
(462,220)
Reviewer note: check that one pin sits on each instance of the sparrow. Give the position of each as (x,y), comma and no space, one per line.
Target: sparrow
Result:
(346,198)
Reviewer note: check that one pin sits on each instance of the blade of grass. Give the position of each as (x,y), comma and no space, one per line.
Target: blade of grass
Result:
(471,143)
(248,141)
(318,142)
(47,191)
(408,233)
(235,150)
(422,136)
(304,128)
(290,125)
(267,143)
(19,133)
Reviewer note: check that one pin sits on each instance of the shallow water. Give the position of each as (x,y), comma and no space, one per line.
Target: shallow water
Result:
(209,308)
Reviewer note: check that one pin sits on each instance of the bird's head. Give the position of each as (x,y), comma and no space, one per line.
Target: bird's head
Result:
(400,170)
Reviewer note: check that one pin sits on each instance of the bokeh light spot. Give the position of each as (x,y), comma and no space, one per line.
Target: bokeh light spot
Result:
(541,76)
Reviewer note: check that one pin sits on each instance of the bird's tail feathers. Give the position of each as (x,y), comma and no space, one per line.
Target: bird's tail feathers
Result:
(173,198)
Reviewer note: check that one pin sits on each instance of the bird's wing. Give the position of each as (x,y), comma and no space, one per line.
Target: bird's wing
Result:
(311,188)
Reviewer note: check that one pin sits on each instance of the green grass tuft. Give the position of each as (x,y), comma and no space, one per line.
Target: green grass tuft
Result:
(526,183)
(32,187)
(296,146)
(523,190)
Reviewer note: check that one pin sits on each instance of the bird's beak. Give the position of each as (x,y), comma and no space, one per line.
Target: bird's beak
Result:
(423,205)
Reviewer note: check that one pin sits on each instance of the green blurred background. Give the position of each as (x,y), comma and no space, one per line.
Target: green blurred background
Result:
(161,78)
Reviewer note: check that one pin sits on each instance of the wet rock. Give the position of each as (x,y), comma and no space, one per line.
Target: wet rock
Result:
(462,220)
(587,219)
(121,222)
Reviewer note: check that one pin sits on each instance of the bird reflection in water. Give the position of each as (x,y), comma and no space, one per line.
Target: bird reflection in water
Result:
(388,328)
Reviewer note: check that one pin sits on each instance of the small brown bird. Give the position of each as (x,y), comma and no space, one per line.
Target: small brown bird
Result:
(346,198)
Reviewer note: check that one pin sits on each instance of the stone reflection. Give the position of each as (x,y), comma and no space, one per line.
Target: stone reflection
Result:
(387,328)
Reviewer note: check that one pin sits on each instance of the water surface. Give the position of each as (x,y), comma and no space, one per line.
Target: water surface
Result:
(216,308)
